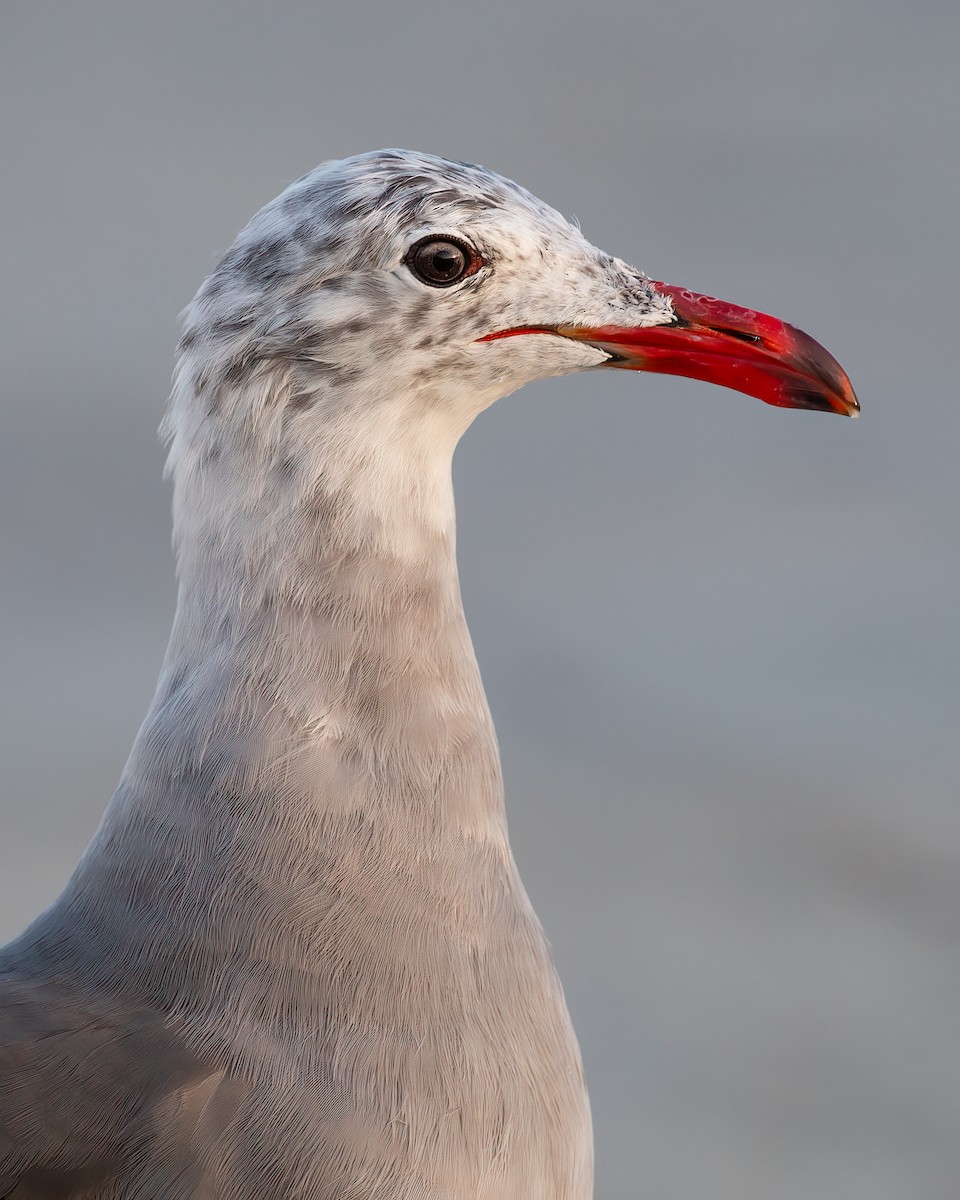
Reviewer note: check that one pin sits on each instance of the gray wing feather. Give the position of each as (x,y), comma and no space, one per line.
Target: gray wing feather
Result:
(96,1101)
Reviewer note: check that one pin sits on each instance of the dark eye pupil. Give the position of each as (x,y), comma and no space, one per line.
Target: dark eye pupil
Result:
(439,262)
(446,262)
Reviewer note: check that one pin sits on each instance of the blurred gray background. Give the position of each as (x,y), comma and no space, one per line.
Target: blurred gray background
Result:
(720,640)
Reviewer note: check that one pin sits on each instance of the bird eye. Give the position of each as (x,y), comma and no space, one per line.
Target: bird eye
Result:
(441,262)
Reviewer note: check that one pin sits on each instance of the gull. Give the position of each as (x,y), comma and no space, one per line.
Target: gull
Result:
(296,959)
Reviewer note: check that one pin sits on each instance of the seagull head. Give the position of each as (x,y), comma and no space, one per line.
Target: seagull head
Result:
(400,280)
(365,316)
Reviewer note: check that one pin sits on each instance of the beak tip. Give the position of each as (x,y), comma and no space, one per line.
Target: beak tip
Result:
(851,405)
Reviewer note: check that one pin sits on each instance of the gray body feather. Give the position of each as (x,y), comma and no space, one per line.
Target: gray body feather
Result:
(297,959)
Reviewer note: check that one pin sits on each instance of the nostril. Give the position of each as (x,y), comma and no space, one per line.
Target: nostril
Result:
(753,338)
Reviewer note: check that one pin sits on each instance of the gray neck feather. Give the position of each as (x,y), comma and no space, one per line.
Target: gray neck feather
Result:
(319,717)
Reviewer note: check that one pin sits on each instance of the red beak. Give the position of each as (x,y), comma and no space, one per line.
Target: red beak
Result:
(735,347)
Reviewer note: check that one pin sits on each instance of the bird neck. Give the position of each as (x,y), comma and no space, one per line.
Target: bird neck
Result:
(319,744)
(320,644)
